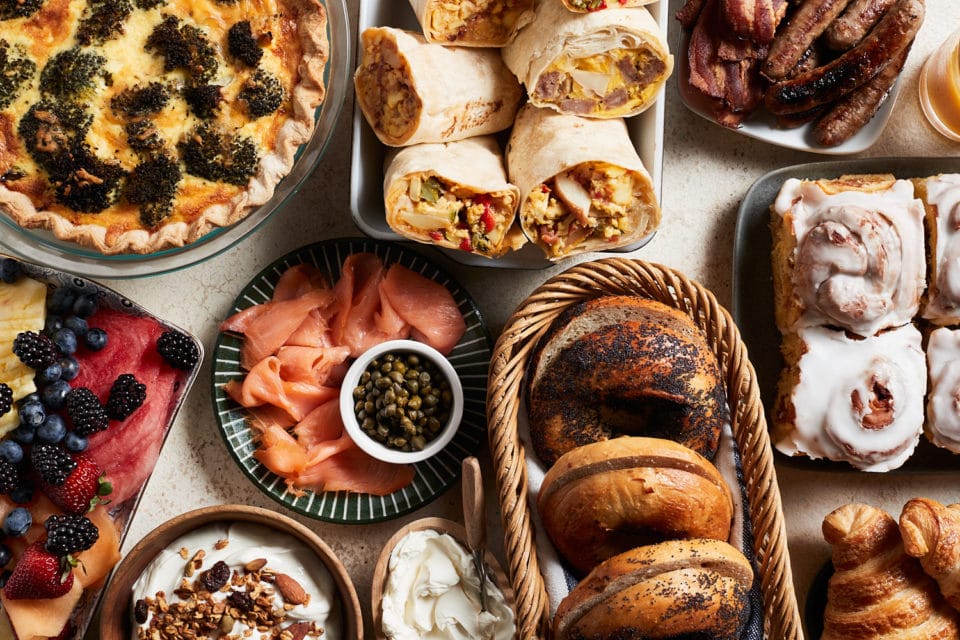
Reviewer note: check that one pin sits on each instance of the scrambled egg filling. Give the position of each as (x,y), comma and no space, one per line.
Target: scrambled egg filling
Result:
(613,83)
(455,216)
(594,200)
(476,20)
(383,85)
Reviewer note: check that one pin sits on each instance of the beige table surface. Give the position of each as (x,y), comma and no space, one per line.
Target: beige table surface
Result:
(706,170)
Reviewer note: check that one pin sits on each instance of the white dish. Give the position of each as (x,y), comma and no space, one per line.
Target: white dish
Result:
(366,179)
(762,125)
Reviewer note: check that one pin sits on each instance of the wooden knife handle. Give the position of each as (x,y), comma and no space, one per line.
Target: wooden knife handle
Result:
(474,512)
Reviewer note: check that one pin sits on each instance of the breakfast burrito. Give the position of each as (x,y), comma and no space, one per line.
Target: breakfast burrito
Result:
(472,23)
(412,91)
(453,195)
(601,64)
(582,6)
(582,185)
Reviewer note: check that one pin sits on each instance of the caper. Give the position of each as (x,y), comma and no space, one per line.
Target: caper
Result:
(418,442)
(396,376)
(424,378)
(413,386)
(414,402)
(430,400)
(389,396)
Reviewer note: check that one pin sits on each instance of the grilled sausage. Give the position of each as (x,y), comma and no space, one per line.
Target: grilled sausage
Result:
(804,26)
(854,24)
(852,112)
(689,12)
(857,66)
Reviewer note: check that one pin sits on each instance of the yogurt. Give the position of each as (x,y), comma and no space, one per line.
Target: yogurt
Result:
(433,593)
(171,578)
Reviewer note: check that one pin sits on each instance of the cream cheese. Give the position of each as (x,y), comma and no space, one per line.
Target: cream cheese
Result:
(284,554)
(433,593)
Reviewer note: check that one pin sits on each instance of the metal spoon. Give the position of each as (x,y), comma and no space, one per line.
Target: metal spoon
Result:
(474,518)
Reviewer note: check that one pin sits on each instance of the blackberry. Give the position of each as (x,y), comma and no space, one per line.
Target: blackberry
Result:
(67,534)
(178,350)
(35,350)
(9,477)
(52,463)
(86,412)
(126,396)
(6,399)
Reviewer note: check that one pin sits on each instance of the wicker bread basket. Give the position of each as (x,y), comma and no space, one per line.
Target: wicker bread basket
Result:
(620,276)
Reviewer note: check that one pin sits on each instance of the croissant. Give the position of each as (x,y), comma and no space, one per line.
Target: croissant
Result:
(931,532)
(877,591)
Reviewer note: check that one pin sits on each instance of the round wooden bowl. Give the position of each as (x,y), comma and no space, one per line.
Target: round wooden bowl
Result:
(442,525)
(115,614)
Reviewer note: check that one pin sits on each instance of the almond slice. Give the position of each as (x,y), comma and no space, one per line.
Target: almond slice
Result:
(290,589)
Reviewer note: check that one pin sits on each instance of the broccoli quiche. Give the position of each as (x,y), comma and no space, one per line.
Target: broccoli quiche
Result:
(132,126)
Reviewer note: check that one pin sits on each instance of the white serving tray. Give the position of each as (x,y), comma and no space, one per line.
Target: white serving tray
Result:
(367,154)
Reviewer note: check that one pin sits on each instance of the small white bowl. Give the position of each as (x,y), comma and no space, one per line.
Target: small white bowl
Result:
(370,445)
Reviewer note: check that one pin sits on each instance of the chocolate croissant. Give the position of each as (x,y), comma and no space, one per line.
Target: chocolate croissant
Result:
(877,590)
(931,532)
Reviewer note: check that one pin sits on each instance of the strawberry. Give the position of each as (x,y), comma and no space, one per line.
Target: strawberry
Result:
(38,574)
(83,489)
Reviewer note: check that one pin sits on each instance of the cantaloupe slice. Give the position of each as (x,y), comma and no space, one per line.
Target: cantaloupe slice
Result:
(45,617)
(98,560)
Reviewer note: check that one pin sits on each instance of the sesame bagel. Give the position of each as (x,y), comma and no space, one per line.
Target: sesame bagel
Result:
(624,365)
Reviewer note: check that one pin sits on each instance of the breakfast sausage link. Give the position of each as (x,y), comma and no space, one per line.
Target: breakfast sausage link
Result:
(857,66)
(854,24)
(853,111)
(804,26)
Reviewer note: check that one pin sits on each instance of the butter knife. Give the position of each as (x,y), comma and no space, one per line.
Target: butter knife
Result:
(474,518)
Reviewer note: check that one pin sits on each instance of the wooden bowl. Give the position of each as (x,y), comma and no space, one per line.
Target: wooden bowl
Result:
(442,525)
(115,614)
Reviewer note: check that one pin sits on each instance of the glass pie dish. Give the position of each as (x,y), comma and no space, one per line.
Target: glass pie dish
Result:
(43,247)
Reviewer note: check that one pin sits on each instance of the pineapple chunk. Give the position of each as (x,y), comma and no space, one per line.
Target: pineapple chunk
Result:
(22,308)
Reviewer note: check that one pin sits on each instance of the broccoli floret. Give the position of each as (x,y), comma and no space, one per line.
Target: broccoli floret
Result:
(219,157)
(143,136)
(242,45)
(15,69)
(72,74)
(263,94)
(204,100)
(102,20)
(183,47)
(149,4)
(84,182)
(19,8)
(141,101)
(51,129)
(153,184)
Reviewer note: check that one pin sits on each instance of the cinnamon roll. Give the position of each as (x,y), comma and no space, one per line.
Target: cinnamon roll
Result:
(943,403)
(941,198)
(858,400)
(847,253)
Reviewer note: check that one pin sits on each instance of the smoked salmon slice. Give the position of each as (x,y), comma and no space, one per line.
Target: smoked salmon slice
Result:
(427,306)
(310,364)
(298,280)
(264,385)
(280,452)
(354,470)
(270,329)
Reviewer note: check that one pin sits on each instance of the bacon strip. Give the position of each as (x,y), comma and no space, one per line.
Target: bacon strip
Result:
(754,20)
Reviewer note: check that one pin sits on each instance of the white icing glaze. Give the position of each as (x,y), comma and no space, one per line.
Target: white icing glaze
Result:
(840,378)
(943,403)
(943,306)
(859,262)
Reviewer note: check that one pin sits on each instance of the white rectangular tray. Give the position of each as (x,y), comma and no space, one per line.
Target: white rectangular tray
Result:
(366,179)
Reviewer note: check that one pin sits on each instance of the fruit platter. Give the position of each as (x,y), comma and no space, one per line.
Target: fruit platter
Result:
(549,211)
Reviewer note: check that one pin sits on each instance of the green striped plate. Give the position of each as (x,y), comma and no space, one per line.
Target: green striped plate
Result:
(470,358)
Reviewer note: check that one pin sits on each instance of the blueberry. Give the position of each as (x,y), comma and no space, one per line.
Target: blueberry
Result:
(24,434)
(17,522)
(85,306)
(76,324)
(69,368)
(23,492)
(32,413)
(5,555)
(95,339)
(52,430)
(32,397)
(52,324)
(61,300)
(50,374)
(66,341)
(11,452)
(75,443)
(9,270)
(55,394)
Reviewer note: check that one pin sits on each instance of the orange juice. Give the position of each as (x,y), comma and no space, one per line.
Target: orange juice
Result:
(940,88)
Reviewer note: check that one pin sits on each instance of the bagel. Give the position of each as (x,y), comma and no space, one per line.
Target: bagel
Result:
(604,498)
(675,589)
(624,365)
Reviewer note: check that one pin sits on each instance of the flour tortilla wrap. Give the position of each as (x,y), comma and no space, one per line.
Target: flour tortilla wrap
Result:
(472,23)
(583,6)
(411,91)
(582,185)
(454,195)
(601,64)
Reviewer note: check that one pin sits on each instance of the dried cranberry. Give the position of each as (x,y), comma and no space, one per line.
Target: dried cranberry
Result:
(215,577)
(241,600)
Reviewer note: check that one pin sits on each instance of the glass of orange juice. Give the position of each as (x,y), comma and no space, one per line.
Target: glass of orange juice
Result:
(940,87)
